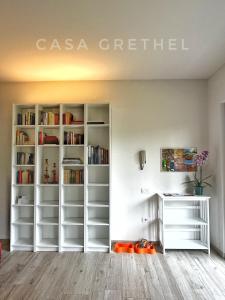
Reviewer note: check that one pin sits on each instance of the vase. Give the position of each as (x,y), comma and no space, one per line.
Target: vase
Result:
(199,190)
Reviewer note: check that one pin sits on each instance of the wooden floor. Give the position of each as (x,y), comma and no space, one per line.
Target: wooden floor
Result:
(177,275)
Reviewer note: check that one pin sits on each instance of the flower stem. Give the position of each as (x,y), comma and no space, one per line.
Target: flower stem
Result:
(200,175)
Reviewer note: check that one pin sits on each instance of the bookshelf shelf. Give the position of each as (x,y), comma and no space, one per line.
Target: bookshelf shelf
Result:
(24,242)
(49,126)
(24,145)
(73,205)
(76,145)
(48,145)
(98,221)
(22,205)
(49,203)
(24,220)
(73,221)
(98,165)
(25,126)
(48,242)
(98,125)
(98,184)
(48,184)
(27,166)
(49,221)
(73,212)
(73,243)
(98,243)
(73,126)
(72,165)
(72,184)
(98,204)
(23,184)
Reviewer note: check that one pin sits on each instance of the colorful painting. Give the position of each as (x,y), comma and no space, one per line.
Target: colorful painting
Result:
(178,160)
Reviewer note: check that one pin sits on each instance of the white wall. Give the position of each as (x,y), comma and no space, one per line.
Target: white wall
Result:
(145,115)
(216,95)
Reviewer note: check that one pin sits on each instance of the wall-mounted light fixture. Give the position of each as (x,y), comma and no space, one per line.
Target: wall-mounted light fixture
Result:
(142,159)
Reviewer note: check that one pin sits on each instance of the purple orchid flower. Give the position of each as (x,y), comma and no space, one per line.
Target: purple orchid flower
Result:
(201,158)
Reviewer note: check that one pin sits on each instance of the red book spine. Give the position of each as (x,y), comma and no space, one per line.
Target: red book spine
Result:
(56,118)
(20,176)
(28,177)
(41,140)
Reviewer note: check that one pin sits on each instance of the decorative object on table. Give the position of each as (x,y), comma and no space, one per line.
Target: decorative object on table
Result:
(178,159)
(199,182)
(46,173)
(142,159)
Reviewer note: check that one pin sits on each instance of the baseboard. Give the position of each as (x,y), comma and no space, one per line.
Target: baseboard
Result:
(5,244)
(218,251)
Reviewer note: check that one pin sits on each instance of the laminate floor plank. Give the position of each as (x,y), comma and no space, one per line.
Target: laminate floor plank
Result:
(194,276)
(178,275)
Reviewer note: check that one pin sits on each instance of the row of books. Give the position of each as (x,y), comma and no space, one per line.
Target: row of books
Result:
(22,138)
(49,118)
(26,118)
(73,176)
(97,155)
(25,176)
(69,119)
(25,158)
(72,138)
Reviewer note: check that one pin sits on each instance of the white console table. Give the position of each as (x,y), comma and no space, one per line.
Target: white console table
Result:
(184,222)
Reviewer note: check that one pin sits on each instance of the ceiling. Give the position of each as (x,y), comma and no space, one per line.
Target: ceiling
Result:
(24,25)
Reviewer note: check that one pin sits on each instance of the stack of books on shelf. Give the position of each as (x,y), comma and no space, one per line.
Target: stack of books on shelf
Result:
(24,158)
(97,155)
(73,176)
(25,176)
(49,118)
(26,118)
(69,119)
(72,138)
(22,138)
(71,160)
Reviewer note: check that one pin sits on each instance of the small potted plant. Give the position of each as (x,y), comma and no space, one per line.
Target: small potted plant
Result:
(199,182)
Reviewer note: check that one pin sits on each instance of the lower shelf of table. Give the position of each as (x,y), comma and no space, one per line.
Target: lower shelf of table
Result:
(185,244)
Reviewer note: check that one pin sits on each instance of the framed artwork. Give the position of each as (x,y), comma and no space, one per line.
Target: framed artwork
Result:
(178,159)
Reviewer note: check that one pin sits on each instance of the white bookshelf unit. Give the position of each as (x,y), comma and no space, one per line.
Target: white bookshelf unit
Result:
(184,222)
(60,192)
